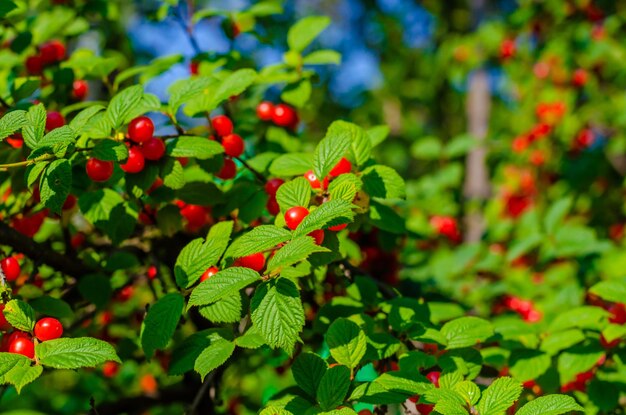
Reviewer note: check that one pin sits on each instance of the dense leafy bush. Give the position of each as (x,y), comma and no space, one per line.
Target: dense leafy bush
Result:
(235,247)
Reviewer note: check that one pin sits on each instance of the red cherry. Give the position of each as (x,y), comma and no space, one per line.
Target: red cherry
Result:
(338,228)
(318,235)
(272,206)
(254,261)
(135,162)
(228,170)
(424,409)
(265,111)
(29,225)
(11,268)
(48,328)
(16,140)
(295,215)
(446,226)
(285,116)
(4,324)
(313,180)
(233,145)
(23,346)
(618,313)
(140,129)
(222,125)
(183,160)
(54,120)
(434,378)
(77,240)
(125,293)
(99,170)
(153,149)
(52,52)
(34,65)
(608,344)
(272,185)
(70,202)
(193,67)
(110,369)
(507,48)
(579,79)
(209,273)
(80,89)
(344,166)
(196,215)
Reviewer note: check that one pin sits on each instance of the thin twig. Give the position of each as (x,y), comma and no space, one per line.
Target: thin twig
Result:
(201,392)
(256,173)
(4,103)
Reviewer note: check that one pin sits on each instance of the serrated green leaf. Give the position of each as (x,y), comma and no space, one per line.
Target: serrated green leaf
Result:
(277,313)
(20,315)
(62,135)
(214,355)
(11,122)
(293,252)
(499,396)
(8,361)
(251,339)
(345,187)
(195,258)
(122,104)
(378,134)
(226,282)
(84,117)
(66,353)
(304,31)
(257,240)
(298,94)
(161,322)
(173,174)
(51,306)
(556,214)
(291,164)
(611,290)
(56,183)
(308,370)
(333,147)
(448,402)
(186,353)
(296,192)
(197,147)
(322,57)
(466,331)
(383,182)
(333,387)
(35,126)
(22,375)
(331,213)
(469,391)
(347,342)
(110,150)
(550,405)
(226,310)
(526,364)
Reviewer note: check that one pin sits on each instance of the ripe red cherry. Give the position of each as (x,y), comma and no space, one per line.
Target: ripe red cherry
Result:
(209,273)
(135,162)
(52,52)
(140,129)
(608,344)
(233,145)
(11,268)
(193,67)
(4,324)
(23,346)
(265,111)
(446,226)
(48,328)
(272,185)
(54,120)
(34,65)
(80,89)
(272,206)
(196,215)
(424,408)
(579,79)
(110,369)
(285,116)
(507,48)
(313,180)
(99,170)
(618,313)
(434,378)
(338,228)
(222,125)
(344,166)
(255,262)
(228,170)
(16,140)
(318,235)
(295,215)
(153,149)
(70,202)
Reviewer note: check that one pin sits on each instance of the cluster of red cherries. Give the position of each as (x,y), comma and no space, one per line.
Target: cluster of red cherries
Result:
(21,342)
(281,115)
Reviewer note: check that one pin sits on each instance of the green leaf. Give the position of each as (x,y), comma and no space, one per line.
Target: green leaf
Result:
(110,150)
(51,306)
(96,289)
(614,291)
(197,256)
(20,315)
(298,94)
(56,183)
(233,85)
(8,361)
(184,90)
(466,331)
(291,164)
(75,353)
(160,323)
(258,240)
(308,370)
(331,213)
(277,313)
(383,182)
(303,32)
(469,390)
(333,387)
(333,147)
(122,104)
(528,364)
(347,342)
(6,6)
(84,117)
(448,402)
(556,214)
(197,147)
(360,143)
(35,126)
(584,317)
(251,339)
(214,355)
(62,135)
(550,405)
(11,122)
(22,375)
(173,174)
(226,310)
(378,134)
(555,342)
(345,187)
(578,359)
(296,192)
(186,353)
(294,251)
(386,218)
(322,57)
(499,396)
(224,283)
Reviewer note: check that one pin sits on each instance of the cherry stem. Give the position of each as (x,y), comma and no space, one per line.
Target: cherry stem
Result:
(5,167)
(256,173)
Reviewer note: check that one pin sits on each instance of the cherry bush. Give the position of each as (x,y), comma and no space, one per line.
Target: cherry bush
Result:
(211,253)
